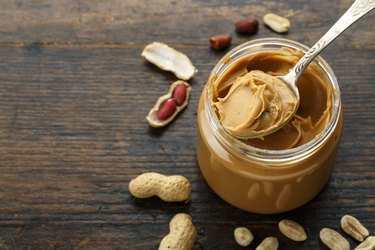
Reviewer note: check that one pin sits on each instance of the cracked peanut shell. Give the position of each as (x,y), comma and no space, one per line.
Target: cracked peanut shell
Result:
(169,59)
(154,115)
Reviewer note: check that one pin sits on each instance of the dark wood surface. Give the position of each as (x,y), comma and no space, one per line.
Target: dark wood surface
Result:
(74,93)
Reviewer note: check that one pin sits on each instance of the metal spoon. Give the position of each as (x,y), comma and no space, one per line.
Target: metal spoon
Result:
(358,9)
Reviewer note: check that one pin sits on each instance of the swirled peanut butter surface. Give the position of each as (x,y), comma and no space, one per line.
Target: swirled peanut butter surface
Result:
(256,102)
(248,98)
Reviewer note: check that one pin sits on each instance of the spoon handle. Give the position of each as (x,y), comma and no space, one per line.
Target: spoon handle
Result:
(358,9)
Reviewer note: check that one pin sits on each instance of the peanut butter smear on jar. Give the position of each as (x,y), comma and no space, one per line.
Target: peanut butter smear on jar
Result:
(256,102)
(248,99)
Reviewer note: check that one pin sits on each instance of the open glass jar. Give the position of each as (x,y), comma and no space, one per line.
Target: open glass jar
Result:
(266,180)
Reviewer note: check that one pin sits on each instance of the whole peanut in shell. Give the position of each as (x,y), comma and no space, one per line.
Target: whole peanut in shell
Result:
(173,188)
(182,234)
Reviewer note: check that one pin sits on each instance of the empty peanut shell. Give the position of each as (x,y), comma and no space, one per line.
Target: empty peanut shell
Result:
(169,59)
(277,23)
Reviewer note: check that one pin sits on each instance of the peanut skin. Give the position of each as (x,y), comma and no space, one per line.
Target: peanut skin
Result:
(179,94)
(182,234)
(220,42)
(167,109)
(247,26)
(175,188)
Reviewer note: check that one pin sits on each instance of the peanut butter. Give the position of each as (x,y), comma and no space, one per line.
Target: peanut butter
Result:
(249,99)
(256,102)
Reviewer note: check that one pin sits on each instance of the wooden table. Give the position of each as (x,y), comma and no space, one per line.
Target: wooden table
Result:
(74,93)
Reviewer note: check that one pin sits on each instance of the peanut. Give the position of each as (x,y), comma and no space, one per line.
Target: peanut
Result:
(276,23)
(169,59)
(354,228)
(167,109)
(169,105)
(182,234)
(179,94)
(333,240)
(269,243)
(368,244)
(173,188)
(220,42)
(243,236)
(292,230)
(247,26)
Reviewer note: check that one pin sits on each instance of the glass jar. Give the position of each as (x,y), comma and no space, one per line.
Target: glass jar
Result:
(259,180)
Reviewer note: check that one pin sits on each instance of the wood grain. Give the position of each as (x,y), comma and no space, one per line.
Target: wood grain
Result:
(74,94)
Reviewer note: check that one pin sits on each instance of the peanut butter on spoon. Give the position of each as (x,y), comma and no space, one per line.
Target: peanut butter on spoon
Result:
(256,104)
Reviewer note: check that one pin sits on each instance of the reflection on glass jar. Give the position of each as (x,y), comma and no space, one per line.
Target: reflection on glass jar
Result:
(284,170)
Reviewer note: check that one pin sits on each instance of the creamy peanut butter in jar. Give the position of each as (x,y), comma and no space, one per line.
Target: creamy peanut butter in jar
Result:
(287,168)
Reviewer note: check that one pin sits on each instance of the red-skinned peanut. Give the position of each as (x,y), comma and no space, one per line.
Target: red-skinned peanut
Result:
(179,94)
(167,109)
(220,42)
(247,26)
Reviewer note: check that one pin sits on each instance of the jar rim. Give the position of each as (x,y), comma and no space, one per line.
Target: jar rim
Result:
(267,155)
